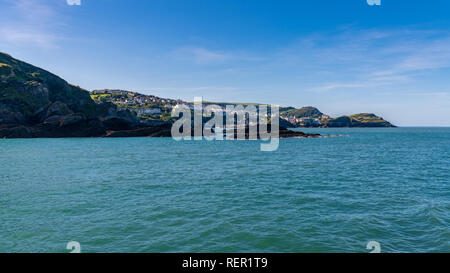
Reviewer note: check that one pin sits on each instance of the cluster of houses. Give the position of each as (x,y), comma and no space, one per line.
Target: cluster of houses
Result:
(152,105)
(305,121)
(141,104)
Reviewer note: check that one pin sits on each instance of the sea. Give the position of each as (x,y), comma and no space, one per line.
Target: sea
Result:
(332,194)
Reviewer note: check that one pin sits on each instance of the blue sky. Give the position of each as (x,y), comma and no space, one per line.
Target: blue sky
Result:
(343,56)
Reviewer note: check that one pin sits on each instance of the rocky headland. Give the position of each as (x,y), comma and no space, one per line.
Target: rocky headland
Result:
(311,117)
(35,103)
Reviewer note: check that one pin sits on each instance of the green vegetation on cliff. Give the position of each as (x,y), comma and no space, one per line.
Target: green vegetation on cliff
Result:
(358,120)
(305,112)
(27,89)
(37,103)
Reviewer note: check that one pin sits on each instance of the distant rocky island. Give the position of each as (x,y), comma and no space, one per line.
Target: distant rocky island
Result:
(35,103)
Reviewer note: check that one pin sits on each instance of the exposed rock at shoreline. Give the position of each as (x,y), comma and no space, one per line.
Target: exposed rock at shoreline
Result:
(156,131)
(283,133)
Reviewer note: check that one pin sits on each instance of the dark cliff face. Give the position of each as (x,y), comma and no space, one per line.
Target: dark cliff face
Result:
(31,91)
(37,103)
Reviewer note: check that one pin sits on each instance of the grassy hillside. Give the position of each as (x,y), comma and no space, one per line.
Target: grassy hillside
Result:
(358,120)
(310,112)
(27,90)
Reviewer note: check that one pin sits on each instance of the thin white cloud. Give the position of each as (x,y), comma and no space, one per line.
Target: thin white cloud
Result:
(33,23)
(339,60)
(204,56)
(16,36)
(331,86)
(427,55)
(73,2)
(201,55)
(367,59)
(32,12)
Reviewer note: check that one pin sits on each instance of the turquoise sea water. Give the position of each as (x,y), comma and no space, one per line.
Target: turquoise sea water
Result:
(157,195)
